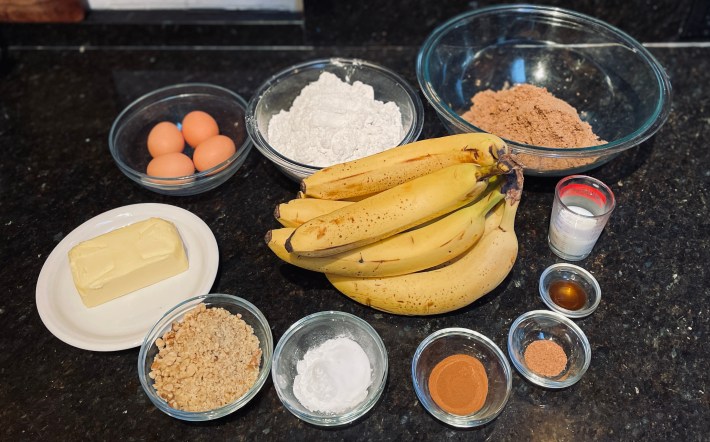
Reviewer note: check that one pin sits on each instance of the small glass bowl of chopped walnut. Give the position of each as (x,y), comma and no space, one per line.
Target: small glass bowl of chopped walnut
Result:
(206,357)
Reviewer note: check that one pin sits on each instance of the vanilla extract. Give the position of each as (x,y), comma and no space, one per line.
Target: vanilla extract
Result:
(568,294)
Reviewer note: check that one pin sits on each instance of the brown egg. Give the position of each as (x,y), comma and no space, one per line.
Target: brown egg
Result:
(197,126)
(165,137)
(213,151)
(171,165)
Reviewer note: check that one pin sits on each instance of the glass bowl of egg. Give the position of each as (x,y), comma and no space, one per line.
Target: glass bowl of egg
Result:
(183,139)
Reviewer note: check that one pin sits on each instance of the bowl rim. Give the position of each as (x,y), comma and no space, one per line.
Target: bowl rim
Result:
(187,181)
(178,311)
(641,134)
(539,380)
(584,273)
(461,421)
(263,146)
(335,419)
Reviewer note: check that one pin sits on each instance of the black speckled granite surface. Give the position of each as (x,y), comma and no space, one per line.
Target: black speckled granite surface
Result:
(649,377)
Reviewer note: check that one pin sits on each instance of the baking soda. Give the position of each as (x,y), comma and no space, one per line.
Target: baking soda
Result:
(333,377)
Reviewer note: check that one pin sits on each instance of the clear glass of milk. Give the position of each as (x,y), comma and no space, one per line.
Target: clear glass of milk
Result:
(581,209)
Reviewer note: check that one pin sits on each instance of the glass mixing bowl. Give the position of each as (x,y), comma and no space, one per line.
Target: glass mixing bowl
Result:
(236,306)
(129,135)
(615,84)
(279,92)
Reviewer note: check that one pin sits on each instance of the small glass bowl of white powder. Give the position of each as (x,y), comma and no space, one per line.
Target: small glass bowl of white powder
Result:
(329,368)
(323,112)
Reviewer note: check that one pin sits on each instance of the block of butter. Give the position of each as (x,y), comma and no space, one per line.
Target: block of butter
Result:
(126,259)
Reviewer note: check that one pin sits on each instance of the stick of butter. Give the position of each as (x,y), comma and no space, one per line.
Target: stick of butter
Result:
(126,259)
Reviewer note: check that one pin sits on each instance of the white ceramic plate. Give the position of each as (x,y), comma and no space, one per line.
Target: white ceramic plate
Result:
(123,322)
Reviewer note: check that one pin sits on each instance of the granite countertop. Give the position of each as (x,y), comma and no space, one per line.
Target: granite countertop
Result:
(649,375)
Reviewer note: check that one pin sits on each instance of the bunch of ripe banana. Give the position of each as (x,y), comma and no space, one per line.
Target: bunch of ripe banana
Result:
(419,229)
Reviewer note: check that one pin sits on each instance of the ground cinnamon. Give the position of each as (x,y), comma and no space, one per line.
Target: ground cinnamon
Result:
(545,358)
(459,384)
(530,114)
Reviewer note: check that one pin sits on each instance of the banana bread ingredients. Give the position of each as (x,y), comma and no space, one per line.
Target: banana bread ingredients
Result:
(545,358)
(459,384)
(127,259)
(531,115)
(333,377)
(165,137)
(332,121)
(207,361)
(198,126)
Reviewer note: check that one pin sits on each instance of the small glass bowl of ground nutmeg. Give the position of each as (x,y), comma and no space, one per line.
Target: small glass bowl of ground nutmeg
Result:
(461,377)
(206,357)
(548,349)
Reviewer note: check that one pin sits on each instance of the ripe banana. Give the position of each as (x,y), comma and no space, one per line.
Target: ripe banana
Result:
(390,211)
(411,251)
(389,168)
(474,274)
(494,217)
(299,210)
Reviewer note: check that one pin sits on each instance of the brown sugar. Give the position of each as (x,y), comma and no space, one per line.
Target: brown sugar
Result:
(530,114)
(545,358)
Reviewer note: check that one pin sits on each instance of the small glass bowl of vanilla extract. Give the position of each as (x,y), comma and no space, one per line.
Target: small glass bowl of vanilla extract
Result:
(570,290)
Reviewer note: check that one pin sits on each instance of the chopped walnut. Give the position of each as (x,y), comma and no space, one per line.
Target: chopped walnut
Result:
(207,361)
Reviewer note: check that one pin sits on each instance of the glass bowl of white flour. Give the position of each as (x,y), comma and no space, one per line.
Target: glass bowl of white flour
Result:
(329,368)
(329,111)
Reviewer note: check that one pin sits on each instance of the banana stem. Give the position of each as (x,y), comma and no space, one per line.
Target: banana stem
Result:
(513,186)
(490,200)
(499,168)
(507,223)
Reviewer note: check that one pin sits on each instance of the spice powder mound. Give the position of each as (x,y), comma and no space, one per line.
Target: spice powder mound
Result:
(545,358)
(459,384)
(207,361)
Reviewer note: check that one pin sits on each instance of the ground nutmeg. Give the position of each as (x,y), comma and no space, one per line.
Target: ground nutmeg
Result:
(459,384)
(545,358)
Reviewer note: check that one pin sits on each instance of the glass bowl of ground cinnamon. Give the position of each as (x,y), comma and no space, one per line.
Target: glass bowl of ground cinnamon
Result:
(566,91)
(548,349)
(461,377)
(206,357)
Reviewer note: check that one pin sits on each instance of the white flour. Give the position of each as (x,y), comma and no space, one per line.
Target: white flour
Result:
(333,377)
(332,122)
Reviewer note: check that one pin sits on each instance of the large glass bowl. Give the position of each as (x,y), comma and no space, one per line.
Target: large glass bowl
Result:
(615,84)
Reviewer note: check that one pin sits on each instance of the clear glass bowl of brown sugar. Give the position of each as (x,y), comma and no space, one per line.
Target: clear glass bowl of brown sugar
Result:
(548,349)
(597,74)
